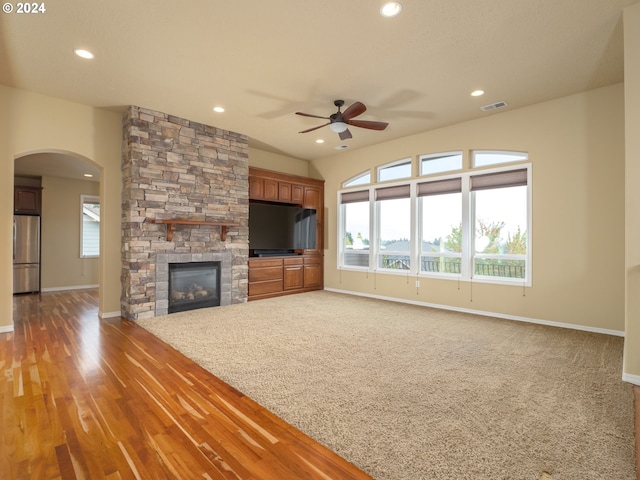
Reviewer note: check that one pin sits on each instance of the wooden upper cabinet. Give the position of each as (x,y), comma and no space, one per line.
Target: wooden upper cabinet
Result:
(270,189)
(284,192)
(312,198)
(27,200)
(256,187)
(274,190)
(297,194)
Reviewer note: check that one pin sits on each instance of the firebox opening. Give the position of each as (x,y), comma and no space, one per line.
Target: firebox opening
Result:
(193,285)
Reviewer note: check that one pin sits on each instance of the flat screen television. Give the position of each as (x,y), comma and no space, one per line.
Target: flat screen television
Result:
(280,229)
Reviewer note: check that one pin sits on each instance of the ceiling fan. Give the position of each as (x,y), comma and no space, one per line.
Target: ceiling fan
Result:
(339,122)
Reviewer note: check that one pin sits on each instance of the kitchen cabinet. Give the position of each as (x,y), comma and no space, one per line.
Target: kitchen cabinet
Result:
(27,200)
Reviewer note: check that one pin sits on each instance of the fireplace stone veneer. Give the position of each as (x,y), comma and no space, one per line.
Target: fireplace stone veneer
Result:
(176,169)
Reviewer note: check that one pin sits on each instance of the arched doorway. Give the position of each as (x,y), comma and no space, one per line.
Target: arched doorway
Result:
(69,217)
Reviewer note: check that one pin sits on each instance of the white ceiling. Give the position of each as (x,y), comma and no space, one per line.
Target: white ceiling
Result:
(265,60)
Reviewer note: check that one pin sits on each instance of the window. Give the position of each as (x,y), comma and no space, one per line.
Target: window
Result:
(473,225)
(483,158)
(360,179)
(440,162)
(441,226)
(89,226)
(395,170)
(394,227)
(355,229)
(500,224)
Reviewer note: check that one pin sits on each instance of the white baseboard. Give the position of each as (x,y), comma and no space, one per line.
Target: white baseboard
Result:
(6,329)
(73,287)
(572,326)
(109,314)
(627,377)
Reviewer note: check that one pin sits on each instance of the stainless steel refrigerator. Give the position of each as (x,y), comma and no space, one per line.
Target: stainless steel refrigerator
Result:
(26,253)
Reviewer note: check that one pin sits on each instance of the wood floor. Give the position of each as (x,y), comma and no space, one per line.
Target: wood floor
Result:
(83,398)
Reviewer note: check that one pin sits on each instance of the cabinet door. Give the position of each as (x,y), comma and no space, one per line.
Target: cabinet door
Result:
(256,188)
(312,275)
(284,192)
(26,200)
(313,199)
(297,194)
(293,277)
(270,189)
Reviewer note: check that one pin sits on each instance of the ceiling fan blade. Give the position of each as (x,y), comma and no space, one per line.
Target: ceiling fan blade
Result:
(353,111)
(345,135)
(314,128)
(368,124)
(309,115)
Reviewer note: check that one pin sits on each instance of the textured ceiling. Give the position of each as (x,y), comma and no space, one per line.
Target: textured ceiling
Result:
(263,61)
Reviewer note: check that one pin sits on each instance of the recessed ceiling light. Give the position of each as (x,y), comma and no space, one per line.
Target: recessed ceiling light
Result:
(477,93)
(390,9)
(319,140)
(218,109)
(83,53)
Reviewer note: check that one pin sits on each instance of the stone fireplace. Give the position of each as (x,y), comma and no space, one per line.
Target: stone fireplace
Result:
(195,177)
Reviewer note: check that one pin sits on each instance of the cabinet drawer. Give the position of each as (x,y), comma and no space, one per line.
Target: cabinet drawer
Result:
(293,261)
(265,274)
(265,262)
(262,288)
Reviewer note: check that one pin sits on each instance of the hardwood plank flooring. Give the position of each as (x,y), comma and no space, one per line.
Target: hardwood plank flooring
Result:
(84,398)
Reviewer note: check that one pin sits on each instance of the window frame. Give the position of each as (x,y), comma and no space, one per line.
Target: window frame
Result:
(497,152)
(426,156)
(84,199)
(420,218)
(351,181)
(395,163)
(342,231)
(377,243)
(468,255)
(527,280)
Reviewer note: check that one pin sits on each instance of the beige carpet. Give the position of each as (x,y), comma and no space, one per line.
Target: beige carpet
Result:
(408,392)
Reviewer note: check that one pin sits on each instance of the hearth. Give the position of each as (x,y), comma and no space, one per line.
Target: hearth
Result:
(193,285)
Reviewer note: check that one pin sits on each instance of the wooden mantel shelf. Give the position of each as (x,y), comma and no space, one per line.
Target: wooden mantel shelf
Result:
(171,226)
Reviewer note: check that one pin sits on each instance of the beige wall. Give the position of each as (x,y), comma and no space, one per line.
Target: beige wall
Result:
(576,147)
(632,177)
(61,265)
(31,123)
(279,163)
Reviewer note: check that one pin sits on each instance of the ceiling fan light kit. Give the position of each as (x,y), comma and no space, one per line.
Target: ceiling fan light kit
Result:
(338,127)
(339,122)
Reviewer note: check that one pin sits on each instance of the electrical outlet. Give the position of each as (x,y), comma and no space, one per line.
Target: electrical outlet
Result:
(417,283)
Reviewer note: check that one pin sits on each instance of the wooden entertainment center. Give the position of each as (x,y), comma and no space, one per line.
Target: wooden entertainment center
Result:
(283,275)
